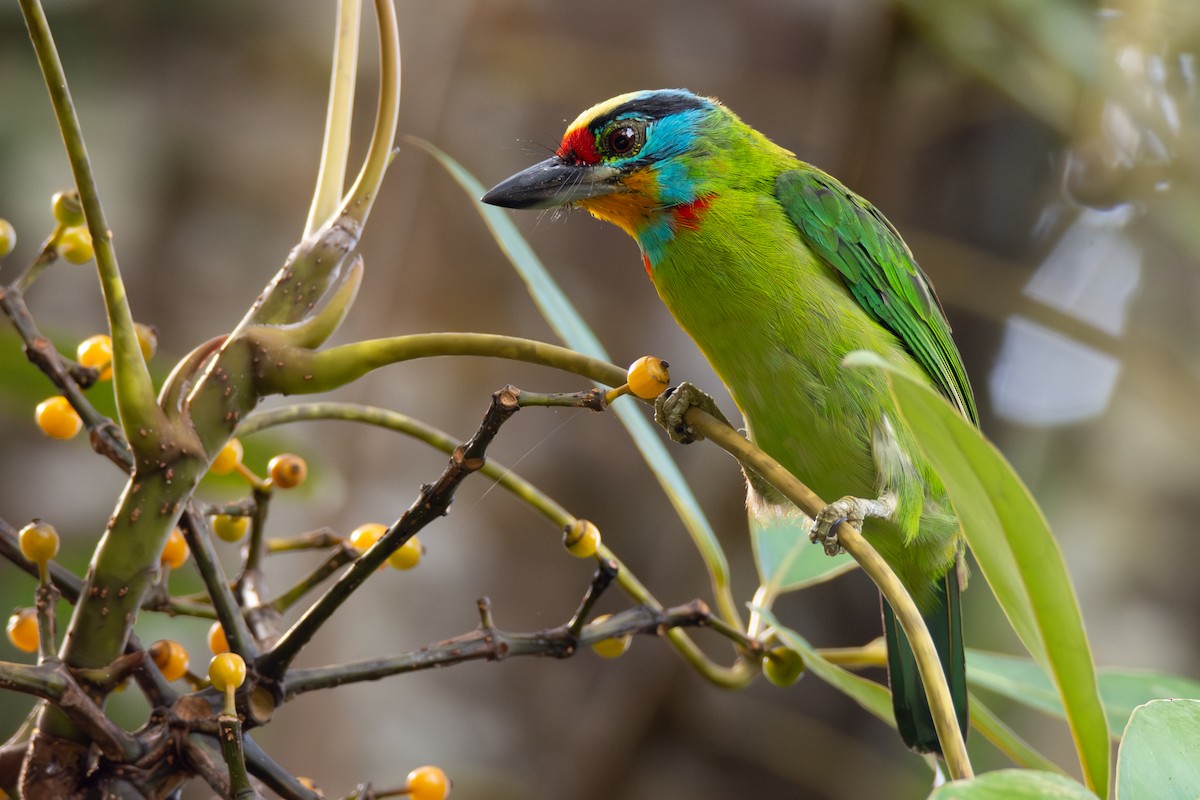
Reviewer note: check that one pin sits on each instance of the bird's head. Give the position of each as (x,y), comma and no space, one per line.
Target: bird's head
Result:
(633,160)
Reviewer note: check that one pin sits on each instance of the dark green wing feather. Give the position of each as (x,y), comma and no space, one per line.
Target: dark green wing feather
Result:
(852,236)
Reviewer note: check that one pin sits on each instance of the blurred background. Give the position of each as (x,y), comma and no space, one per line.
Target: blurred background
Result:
(1041,159)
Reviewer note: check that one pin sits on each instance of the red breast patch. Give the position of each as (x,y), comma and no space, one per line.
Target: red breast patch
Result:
(689,216)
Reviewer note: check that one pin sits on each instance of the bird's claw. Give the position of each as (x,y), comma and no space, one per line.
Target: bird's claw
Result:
(673,404)
(824,529)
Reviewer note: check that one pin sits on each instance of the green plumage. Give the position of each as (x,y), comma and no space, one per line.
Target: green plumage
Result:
(777,271)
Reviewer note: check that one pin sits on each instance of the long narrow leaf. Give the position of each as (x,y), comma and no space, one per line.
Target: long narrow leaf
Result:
(569,325)
(1121,690)
(1016,553)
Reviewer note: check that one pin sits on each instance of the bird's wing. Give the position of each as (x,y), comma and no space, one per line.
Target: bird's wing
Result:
(850,235)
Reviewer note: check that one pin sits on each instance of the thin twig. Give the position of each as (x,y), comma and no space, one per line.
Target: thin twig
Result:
(433,502)
(488,643)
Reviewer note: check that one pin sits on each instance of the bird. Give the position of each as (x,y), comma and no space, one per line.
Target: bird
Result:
(777,270)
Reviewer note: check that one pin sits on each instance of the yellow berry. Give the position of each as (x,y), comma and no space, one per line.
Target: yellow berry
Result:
(75,245)
(581,538)
(783,666)
(287,470)
(147,336)
(611,648)
(217,642)
(228,459)
(364,536)
(171,658)
(39,541)
(428,783)
(23,630)
(227,671)
(407,555)
(57,418)
(8,237)
(96,352)
(67,209)
(648,377)
(230,528)
(175,552)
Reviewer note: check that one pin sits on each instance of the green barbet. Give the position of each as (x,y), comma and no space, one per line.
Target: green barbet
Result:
(777,271)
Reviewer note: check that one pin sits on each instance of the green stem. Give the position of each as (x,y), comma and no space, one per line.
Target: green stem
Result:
(307,372)
(331,177)
(361,196)
(230,734)
(401,423)
(339,558)
(131,378)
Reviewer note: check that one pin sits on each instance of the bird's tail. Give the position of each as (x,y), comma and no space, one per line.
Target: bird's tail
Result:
(943,617)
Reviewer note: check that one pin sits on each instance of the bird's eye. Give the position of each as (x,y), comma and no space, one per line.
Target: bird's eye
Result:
(623,139)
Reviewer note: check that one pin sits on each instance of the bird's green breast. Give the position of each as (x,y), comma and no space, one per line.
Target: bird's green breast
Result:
(774,322)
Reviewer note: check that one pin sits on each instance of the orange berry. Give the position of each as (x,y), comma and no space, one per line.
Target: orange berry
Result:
(287,470)
(22,630)
(96,352)
(217,642)
(611,648)
(75,245)
(228,459)
(171,658)
(57,418)
(648,377)
(407,555)
(227,671)
(428,783)
(175,552)
(39,541)
(364,536)
(581,538)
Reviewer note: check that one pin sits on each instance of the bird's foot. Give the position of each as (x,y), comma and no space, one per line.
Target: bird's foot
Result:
(851,510)
(672,404)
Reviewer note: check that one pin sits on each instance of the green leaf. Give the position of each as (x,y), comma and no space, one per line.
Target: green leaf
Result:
(1014,677)
(785,557)
(1016,554)
(1159,748)
(1006,740)
(1121,691)
(575,333)
(867,693)
(1014,784)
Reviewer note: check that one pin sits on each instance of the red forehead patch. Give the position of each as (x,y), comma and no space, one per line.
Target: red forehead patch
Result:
(579,146)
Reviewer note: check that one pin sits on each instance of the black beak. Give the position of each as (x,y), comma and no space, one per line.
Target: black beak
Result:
(551,183)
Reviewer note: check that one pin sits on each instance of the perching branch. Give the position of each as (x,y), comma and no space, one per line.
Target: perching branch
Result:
(928,663)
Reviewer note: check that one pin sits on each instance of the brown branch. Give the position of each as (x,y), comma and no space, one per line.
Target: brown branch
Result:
(433,501)
(105,435)
(487,643)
